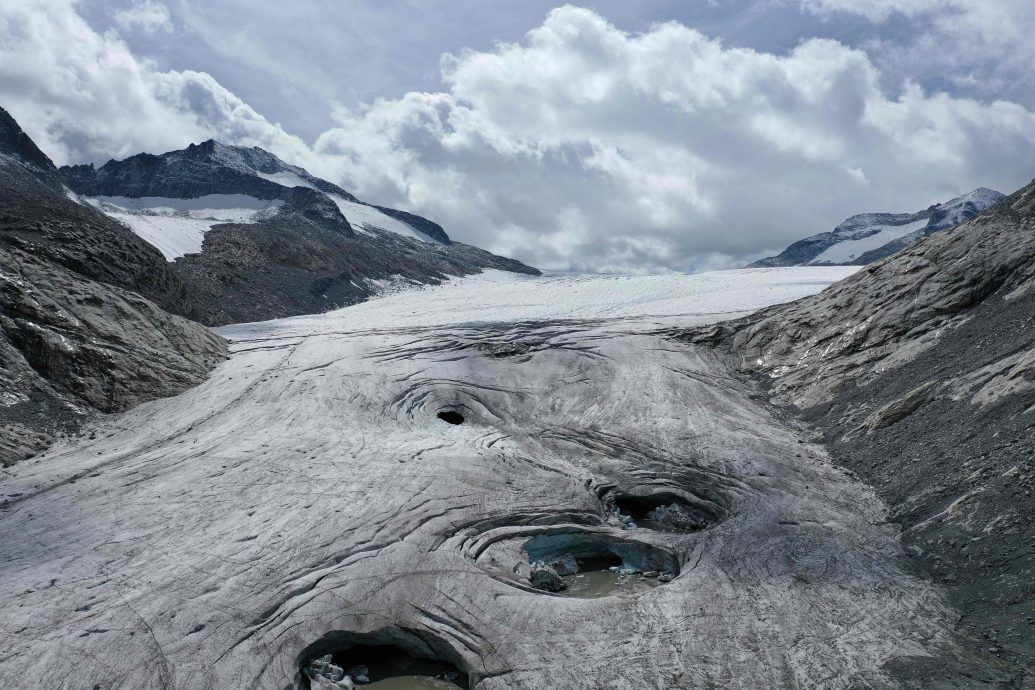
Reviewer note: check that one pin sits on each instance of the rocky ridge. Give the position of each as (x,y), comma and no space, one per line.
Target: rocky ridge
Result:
(919,373)
(321,249)
(87,309)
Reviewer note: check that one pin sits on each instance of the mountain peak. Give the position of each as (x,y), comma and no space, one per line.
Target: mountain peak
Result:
(208,167)
(15,142)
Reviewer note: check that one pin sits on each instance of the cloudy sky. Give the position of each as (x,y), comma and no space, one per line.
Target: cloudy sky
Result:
(655,135)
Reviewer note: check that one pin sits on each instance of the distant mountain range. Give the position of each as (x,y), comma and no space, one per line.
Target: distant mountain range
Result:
(256,238)
(865,238)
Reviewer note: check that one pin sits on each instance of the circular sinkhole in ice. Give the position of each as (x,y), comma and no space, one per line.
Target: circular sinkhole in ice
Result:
(451,417)
(588,565)
(401,666)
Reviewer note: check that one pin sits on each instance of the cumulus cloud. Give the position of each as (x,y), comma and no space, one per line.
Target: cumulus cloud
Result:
(581,147)
(147,16)
(587,147)
(85,96)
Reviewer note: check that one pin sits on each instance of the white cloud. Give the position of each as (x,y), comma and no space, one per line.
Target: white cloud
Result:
(671,150)
(146,15)
(581,147)
(84,96)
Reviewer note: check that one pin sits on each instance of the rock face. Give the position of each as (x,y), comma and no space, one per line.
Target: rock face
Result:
(199,169)
(298,263)
(308,500)
(919,371)
(84,309)
(321,249)
(865,238)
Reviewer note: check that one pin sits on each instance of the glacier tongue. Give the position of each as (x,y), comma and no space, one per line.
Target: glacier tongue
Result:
(308,495)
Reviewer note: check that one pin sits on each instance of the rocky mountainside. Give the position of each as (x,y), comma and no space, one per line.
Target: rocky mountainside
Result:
(865,238)
(919,373)
(256,238)
(85,304)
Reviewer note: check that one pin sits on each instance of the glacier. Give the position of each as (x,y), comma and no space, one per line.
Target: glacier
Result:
(308,497)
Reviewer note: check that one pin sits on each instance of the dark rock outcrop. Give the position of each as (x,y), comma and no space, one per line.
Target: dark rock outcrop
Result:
(17,144)
(84,309)
(296,263)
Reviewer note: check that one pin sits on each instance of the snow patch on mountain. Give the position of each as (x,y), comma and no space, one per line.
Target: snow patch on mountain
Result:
(361,216)
(172,236)
(287,178)
(177,226)
(867,237)
(872,238)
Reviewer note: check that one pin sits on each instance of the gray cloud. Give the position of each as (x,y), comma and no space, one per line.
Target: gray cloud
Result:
(144,15)
(579,146)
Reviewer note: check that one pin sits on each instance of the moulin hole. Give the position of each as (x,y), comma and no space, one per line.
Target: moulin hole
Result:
(451,417)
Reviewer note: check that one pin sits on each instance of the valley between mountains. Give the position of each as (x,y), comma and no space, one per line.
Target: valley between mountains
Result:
(395,461)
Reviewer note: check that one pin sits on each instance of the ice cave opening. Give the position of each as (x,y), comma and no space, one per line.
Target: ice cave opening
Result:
(338,662)
(586,565)
(451,417)
(664,512)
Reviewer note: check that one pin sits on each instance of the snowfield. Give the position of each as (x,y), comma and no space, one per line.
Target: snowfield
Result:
(308,496)
(849,249)
(178,226)
(286,178)
(361,216)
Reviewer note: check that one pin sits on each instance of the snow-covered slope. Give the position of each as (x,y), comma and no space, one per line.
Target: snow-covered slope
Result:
(859,242)
(212,168)
(366,217)
(308,498)
(868,237)
(177,226)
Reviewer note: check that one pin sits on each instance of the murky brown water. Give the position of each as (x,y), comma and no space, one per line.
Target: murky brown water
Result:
(410,683)
(603,583)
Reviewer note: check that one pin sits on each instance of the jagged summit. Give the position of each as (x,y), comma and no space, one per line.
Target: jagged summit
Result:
(867,237)
(213,167)
(210,167)
(15,142)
